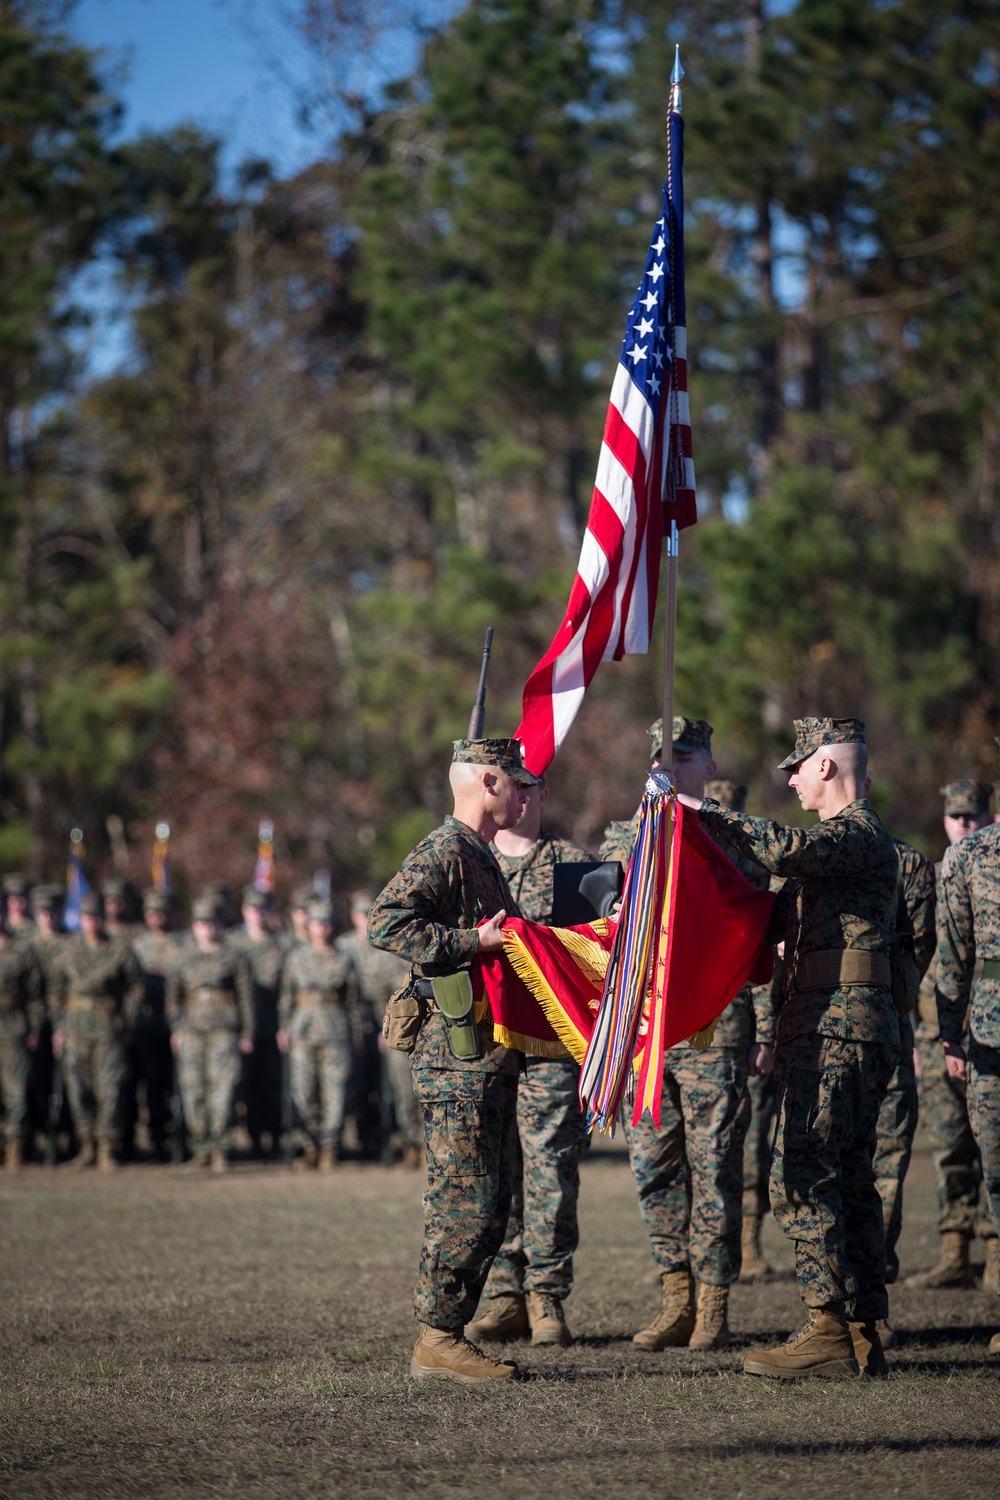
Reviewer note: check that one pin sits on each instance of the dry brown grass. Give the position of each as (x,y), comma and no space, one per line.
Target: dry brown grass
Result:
(167,1336)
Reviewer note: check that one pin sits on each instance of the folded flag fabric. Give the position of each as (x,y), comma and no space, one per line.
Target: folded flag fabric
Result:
(546,986)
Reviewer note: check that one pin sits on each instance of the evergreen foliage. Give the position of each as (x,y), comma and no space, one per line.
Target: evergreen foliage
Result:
(248,574)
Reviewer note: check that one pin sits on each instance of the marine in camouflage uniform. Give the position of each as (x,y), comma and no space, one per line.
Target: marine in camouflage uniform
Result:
(209,1007)
(373,977)
(17,890)
(98,991)
(968,985)
(837,1045)
(313,1025)
(428,913)
(944,1109)
(156,948)
(897,1119)
(536,1257)
(260,1085)
(47,940)
(689,1169)
(22,1013)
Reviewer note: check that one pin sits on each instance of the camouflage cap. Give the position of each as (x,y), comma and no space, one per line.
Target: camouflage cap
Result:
(966,799)
(257,900)
(92,905)
(321,911)
(502,755)
(810,734)
(16,884)
(688,735)
(206,909)
(114,888)
(362,901)
(47,898)
(157,899)
(727,794)
(301,897)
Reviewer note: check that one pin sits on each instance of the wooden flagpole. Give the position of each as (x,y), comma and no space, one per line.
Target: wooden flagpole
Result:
(670,589)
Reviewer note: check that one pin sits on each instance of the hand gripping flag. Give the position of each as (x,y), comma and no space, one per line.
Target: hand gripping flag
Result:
(645,481)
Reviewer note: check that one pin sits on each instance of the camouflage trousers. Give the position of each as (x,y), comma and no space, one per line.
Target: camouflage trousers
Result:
(823,1191)
(689,1169)
(944,1114)
(318,1074)
(542,1230)
(984,1113)
(469,1114)
(897,1124)
(208,1066)
(757,1147)
(399,1078)
(93,1069)
(15,1070)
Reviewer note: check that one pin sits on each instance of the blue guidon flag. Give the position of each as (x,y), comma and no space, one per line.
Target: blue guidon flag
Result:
(644,485)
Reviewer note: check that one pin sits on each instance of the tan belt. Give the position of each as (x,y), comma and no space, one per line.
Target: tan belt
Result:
(831,968)
(317,997)
(209,992)
(83,1003)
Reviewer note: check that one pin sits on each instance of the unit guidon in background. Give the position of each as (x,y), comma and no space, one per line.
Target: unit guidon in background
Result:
(645,480)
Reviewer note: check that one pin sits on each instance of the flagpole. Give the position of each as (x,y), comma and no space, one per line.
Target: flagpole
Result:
(670,581)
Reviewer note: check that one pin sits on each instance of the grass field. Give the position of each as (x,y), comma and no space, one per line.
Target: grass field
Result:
(164,1335)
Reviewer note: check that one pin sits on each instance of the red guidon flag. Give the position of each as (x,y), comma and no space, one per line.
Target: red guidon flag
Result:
(546,988)
(644,484)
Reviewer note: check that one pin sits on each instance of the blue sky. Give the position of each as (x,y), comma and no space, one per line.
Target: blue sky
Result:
(206,61)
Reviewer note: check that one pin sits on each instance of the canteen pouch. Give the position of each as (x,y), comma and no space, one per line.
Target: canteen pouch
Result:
(453,997)
(405,1013)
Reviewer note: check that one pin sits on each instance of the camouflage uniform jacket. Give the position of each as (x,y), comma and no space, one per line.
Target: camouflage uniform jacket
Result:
(109,971)
(445,887)
(530,877)
(48,951)
(925,1025)
(211,990)
(372,976)
(263,956)
(323,974)
(157,952)
(968,929)
(840,893)
(750,1015)
(916,874)
(22,986)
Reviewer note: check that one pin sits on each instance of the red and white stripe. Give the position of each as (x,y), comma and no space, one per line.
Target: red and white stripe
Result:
(613,599)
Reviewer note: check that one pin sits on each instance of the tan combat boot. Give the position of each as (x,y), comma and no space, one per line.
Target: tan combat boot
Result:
(886,1334)
(866,1336)
(106,1157)
(308,1159)
(991,1270)
(753,1266)
(547,1319)
(674,1323)
(994,1345)
(507,1319)
(87,1155)
(443,1354)
(14,1158)
(220,1161)
(823,1349)
(952,1270)
(711,1327)
(412,1158)
(327,1159)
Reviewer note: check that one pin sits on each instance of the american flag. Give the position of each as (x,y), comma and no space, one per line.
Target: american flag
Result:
(645,482)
